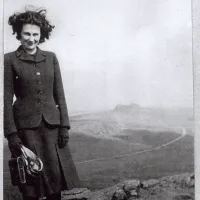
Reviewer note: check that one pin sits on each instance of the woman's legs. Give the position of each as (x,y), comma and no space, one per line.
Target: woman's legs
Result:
(29,198)
(56,196)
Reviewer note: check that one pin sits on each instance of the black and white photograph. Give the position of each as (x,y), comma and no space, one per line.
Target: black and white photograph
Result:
(98,100)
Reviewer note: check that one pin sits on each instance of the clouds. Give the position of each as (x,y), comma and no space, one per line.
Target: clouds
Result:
(119,51)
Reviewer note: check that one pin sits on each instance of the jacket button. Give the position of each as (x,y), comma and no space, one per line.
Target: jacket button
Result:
(38,73)
(35,65)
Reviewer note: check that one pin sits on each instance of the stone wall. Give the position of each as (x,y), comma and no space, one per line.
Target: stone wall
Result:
(178,187)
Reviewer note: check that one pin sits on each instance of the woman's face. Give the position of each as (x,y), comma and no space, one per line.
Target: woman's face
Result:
(30,36)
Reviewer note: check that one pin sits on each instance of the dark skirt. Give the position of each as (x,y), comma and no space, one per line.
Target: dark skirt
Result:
(59,170)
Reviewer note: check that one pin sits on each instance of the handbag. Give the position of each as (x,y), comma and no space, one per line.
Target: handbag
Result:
(27,166)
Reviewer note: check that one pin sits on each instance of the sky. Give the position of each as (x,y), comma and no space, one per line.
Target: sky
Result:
(118,51)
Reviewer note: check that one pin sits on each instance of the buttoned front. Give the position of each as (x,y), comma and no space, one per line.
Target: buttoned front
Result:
(37,85)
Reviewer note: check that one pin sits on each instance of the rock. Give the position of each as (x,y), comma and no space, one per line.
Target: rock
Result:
(149,183)
(135,198)
(134,193)
(114,192)
(132,188)
(183,197)
(76,193)
(99,196)
(119,194)
(190,181)
(131,185)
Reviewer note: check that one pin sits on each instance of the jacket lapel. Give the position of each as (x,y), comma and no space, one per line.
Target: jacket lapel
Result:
(40,56)
(22,55)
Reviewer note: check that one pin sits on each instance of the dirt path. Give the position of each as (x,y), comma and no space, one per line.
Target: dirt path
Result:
(183,133)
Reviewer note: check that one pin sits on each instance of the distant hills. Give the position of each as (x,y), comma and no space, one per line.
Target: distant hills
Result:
(133,116)
(130,116)
(127,108)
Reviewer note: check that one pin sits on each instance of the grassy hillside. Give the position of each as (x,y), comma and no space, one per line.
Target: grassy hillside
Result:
(84,147)
(147,137)
(176,158)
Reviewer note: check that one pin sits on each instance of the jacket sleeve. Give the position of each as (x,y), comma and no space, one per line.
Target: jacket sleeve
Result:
(9,122)
(59,94)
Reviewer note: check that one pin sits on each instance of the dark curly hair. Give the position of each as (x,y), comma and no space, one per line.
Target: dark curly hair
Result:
(38,18)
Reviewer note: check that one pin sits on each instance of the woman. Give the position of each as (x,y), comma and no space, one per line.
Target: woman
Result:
(38,119)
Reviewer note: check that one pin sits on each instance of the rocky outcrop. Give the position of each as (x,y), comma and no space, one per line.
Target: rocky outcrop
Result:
(127,108)
(77,193)
(178,187)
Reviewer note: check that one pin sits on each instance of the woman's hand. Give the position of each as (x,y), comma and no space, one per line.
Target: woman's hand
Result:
(14,144)
(63,137)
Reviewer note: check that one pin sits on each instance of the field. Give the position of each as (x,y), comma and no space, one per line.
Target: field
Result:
(105,151)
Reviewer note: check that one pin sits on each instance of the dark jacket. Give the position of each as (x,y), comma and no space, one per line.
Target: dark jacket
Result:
(37,85)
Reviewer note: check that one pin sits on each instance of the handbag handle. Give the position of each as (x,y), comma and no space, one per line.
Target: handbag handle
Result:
(30,162)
